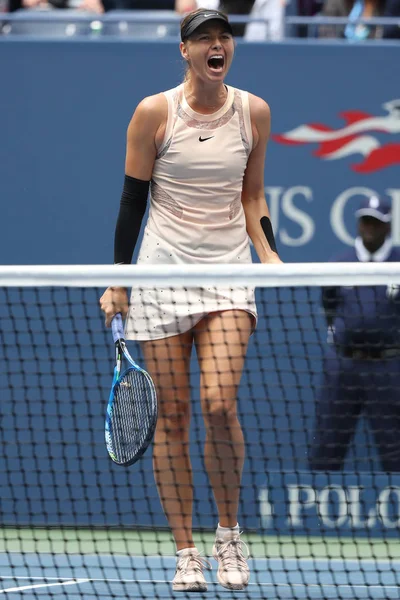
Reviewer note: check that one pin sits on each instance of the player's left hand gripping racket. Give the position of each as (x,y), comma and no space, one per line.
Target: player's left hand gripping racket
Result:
(132,407)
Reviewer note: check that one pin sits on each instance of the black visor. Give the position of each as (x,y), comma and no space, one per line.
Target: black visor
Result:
(200,18)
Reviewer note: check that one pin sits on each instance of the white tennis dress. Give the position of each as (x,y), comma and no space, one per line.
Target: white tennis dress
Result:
(196,214)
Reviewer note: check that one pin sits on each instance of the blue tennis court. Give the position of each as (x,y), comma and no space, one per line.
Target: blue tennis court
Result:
(109,577)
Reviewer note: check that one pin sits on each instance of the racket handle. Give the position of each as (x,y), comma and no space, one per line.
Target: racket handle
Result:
(117,327)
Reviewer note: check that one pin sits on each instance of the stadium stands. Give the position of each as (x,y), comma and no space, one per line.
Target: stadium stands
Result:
(140,24)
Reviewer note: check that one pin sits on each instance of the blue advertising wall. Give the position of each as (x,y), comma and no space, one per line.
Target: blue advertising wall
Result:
(63,118)
(64,113)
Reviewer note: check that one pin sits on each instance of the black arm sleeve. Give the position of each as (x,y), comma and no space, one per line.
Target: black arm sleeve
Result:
(131,213)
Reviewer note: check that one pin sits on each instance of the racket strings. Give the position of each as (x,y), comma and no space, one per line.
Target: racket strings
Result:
(131,415)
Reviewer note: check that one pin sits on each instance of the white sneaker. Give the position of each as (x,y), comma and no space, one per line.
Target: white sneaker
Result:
(189,572)
(233,570)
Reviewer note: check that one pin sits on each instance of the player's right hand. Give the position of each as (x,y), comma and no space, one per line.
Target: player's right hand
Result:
(113,301)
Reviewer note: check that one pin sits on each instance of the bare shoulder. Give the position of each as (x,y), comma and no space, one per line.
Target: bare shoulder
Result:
(260,116)
(151,112)
(153,106)
(142,136)
(259,110)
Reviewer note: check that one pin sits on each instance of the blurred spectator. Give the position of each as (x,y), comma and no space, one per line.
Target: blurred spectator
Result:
(307,8)
(186,6)
(237,7)
(95,6)
(364,8)
(392,9)
(273,14)
(362,363)
(145,4)
(334,8)
(352,9)
(105,5)
(29,4)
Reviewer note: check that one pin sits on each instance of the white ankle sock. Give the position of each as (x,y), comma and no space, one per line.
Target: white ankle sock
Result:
(187,551)
(226,533)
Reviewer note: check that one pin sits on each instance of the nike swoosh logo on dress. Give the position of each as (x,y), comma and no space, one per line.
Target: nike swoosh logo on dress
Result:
(205,139)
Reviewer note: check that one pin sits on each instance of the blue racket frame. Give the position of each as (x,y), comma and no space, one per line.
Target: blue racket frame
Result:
(117,328)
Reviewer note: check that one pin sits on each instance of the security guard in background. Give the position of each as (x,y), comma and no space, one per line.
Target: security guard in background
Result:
(362,364)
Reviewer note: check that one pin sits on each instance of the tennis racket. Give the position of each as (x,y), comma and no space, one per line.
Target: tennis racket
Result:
(132,406)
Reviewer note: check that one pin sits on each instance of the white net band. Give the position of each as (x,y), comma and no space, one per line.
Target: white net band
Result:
(259,275)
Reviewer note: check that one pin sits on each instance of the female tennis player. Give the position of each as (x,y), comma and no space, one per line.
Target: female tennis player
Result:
(202,148)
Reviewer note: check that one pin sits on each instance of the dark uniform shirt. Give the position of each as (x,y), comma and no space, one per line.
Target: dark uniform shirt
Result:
(366,317)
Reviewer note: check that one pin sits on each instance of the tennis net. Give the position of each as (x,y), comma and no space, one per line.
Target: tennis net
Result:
(318,403)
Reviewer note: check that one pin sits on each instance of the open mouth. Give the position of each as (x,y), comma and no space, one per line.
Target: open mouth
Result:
(216,63)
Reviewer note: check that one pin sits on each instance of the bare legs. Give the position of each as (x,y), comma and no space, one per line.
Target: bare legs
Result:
(168,361)
(221,342)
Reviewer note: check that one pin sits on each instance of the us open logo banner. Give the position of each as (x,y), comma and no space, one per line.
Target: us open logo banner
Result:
(322,161)
(358,136)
